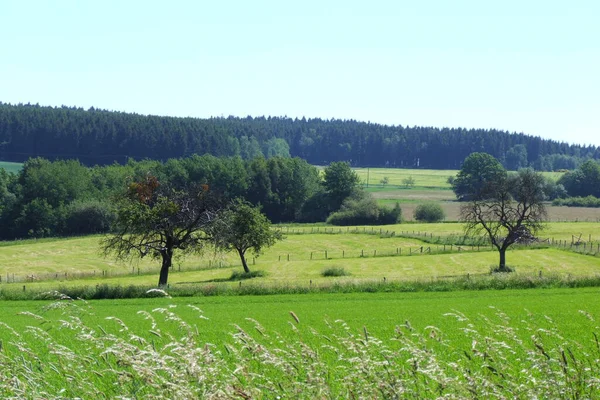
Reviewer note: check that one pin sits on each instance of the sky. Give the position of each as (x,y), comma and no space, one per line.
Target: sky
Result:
(522,66)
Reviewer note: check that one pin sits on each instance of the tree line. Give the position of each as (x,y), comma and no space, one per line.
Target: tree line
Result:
(65,197)
(103,137)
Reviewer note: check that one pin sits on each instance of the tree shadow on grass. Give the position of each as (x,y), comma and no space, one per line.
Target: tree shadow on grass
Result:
(235,276)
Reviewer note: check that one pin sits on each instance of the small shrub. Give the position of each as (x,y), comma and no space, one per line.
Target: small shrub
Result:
(390,216)
(429,212)
(497,270)
(588,201)
(362,209)
(240,276)
(88,217)
(408,182)
(334,271)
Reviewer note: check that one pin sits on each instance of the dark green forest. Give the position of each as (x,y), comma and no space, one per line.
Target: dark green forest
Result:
(103,137)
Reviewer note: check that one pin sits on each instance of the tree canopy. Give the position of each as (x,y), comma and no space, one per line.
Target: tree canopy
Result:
(512,211)
(155,220)
(242,227)
(478,177)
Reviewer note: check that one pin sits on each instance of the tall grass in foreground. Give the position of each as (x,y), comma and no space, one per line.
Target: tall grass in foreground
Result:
(65,358)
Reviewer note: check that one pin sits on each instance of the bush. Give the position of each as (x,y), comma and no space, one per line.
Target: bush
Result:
(240,276)
(429,212)
(88,217)
(334,271)
(390,216)
(362,209)
(588,201)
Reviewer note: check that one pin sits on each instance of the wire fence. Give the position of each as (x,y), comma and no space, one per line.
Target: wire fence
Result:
(432,244)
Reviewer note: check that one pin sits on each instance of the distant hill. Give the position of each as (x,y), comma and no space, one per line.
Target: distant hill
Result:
(103,137)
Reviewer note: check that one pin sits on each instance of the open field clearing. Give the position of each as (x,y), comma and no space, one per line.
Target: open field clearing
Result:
(11,166)
(423,178)
(377,345)
(589,231)
(452,208)
(300,259)
(412,195)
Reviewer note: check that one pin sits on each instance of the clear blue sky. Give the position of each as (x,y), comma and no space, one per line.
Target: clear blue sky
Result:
(524,66)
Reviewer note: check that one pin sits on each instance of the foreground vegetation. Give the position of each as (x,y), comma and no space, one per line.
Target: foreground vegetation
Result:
(524,344)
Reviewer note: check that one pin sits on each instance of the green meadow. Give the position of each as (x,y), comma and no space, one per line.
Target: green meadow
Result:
(327,337)
(413,252)
(363,345)
(11,166)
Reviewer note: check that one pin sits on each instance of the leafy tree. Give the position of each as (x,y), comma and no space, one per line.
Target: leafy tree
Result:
(477,178)
(7,198)
(276,147)
(243,227)
(385,180)
(429,212)
(516,157)
(584,181)
(155,220)
(38,218)
(249,148)
(88,217)
(408,182)
(340,181)
(513,211)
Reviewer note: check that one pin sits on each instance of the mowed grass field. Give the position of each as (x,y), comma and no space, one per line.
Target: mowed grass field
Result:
(423,178)
(11,166)
(433,186)
(299,259)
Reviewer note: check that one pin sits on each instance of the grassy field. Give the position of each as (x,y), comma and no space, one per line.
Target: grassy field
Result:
(423,178)
(299,259)
(409,202)
(460,344)
(589,231)
(11,166)
(378,345)
(432,185)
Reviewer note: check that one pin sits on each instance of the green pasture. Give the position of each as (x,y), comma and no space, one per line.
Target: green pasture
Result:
(423,178)
(330,344)
(409,202)
(589,231)
(11,166)
(380,312)
(300,259)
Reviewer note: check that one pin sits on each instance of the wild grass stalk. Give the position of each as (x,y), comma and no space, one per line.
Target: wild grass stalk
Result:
(67,358)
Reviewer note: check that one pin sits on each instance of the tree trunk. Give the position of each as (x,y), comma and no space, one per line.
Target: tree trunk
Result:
(502,265)
(167,260)
(244,264)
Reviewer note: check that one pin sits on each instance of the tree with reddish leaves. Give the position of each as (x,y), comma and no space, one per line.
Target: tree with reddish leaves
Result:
(155,220)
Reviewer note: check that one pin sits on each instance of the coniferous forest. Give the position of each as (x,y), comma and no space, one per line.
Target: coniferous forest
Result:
(99,137)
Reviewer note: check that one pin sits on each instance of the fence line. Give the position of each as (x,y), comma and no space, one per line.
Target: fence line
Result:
(436,245)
